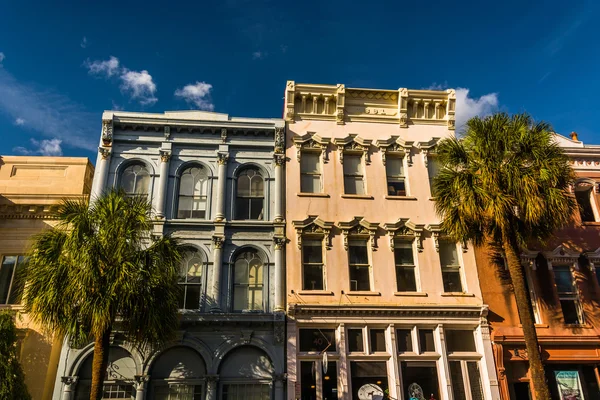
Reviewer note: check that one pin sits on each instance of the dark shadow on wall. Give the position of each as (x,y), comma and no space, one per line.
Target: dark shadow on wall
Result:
(35,357)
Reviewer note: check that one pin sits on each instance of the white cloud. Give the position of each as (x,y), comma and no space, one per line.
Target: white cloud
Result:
(197,94)
(49,113)
(84,42)
(107,68)
(258,55)
(50,147)
(139,85)
(468,107)
(19,121)
(2,57)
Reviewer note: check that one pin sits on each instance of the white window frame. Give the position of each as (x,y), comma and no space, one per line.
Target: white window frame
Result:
(459,267)
(403,159)
(369,266)
(320,238)
(414,267)
(535,306)
(319,154)
(362,163)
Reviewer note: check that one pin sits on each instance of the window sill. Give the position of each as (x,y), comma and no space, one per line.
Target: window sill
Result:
(410,294)
(303,194)
(405,198)
(315,293)
(357,196)
(578,326)
(456,294)
(591,223)
(541,326)
(362,293)
(431,199)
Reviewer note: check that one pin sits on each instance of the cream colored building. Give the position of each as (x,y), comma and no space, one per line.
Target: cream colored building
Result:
(378,300)
(30,188)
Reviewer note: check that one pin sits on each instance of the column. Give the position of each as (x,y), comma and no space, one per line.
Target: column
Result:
(211,386)
(279,160)
(101,172)
(215,289)
(141,384)
(279,279)
(69,382)
(343,366)
(165,156)
(279,381)
(221,180)
(442,363)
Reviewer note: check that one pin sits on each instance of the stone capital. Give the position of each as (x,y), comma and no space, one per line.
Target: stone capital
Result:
(279,159)
(279,242)
(222,158)
(69,380)
(165,155)
(104,152)
(218,242)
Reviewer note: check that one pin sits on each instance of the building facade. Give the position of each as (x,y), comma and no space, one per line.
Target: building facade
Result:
(379,301)
(563,279)
(215,182)
(30,190)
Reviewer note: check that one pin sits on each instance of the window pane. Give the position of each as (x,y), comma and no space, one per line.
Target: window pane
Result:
(357,251)
(403,253)
(185,207)
(452,283)
(396,187)
(142,182)
(359,279)
(369,373)
(128,181)
(352,165)
(355,340)
(584,200)
(563,279)
(317,340)
(241,271)
(242,208)
(310,183)
(329,382)
(377,340)
(422,373)
(255,297)
(570,311)
(6,274)
(394,167)
(404,340)
(240,298)
(448,254)
(475,380)
(460,340)
(194,268)
(458,385)
(186,185)
(192,298)
(310,162)
(405,278)
(243,186)
(426,340)
(354,185)
(308,380)
(256,186)
(313,277)
(312,251)
(256,209)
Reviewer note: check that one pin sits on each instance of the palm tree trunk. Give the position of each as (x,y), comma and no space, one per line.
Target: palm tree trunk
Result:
(536,368)
(99,364)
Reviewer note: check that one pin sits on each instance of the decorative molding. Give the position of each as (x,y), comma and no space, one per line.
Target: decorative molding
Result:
(311,142)
(279,140)
(167,132)
(562,255)
(218,242)
(107,132)
(222,158)
(223,135)
(353,144)
(279,159)
(405,229)
(427,148)
(69,380)
(246,335)
(212,378)
(279,242)
(104,152)
(165,155)
(359,228)
(313,226)
(354,310)
(528,258)
(594,258)
(280,377)
(397,146)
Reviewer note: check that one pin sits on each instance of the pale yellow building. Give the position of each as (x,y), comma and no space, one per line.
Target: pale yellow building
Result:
(30,189)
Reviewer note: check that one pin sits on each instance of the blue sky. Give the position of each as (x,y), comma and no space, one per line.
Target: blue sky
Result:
(234,56)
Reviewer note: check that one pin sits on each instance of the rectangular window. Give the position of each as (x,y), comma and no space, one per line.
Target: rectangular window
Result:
(329,382)
(377,340)
(584,198)
(450,267)
(177,392)
(460,340)
(312,265)
(359,265)
(310,173)
(567,294)
(308,379)
(373,374)
(312,372)
(11,284)
(426,343)
(433,168)
(394,167)
(465,379)
(404,340)
(354,179)
(534,302)
(355,341)
(317,340)
(405,266)
(425,374)
(242,391)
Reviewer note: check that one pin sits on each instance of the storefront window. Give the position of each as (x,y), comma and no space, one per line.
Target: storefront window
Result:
(308,379)
(317,340)
(368,379)
(404,340)
(315,379)
(420,380)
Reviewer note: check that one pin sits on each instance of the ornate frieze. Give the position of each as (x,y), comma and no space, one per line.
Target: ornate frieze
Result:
(279,140)
(562,255)
(107,132)
(405,229)
(313,226)
(353,144)
(395,145)
(359,228)
(311,142)
(299,311)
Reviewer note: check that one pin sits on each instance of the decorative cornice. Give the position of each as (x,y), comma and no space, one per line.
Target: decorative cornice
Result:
(562,255)
(427,147)
(594,258)
(313,226)
(28,211)
(311,142)
(395,145)
(298,310)
(360,228)
(404,228)
(353,143)
(528,258)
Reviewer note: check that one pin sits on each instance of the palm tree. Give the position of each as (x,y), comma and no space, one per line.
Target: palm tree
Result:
(98,271)
(506,183)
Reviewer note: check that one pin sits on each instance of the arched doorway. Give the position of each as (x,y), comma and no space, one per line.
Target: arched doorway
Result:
(246,373)
(178,373)
(119,379)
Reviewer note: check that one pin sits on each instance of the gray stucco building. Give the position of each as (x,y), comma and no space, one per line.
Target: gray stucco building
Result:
(216,182)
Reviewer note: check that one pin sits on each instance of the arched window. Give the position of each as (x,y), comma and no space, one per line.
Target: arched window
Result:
(192,193)
(191,280)
(248,282)
(250,195)
(135,180)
